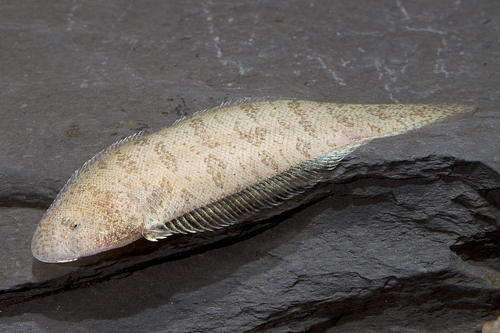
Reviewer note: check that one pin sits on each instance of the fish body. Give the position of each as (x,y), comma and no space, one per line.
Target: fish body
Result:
(212,170)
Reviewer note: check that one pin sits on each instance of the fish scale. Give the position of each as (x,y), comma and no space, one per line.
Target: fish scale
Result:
(215,169)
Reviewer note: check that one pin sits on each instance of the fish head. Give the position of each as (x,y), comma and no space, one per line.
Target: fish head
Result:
(82,224)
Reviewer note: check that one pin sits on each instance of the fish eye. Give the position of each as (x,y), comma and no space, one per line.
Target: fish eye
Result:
(66,221)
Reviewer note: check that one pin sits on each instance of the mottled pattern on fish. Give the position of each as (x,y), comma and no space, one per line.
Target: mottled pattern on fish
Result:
(212,170)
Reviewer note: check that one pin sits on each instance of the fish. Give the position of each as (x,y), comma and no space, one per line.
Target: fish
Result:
(212,170)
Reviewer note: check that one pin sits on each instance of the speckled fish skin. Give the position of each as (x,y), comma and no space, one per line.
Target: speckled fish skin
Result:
(212,170)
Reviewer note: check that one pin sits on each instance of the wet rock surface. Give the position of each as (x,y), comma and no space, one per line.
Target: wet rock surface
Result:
(403,236)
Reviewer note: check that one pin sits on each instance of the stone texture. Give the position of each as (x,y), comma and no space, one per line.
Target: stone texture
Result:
(402,238)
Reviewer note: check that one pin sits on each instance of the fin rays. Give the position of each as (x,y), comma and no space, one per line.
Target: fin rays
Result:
(249,202)
(96,158)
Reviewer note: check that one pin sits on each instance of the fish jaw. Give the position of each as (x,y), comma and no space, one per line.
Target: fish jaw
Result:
(47,248)
(50,247)
(68,232)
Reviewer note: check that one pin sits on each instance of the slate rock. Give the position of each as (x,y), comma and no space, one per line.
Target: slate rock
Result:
(403,236)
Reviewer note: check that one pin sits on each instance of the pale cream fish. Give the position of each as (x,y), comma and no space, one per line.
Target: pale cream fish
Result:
(212,170)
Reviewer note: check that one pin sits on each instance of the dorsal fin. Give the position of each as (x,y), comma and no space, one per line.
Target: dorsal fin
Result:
(223,105)
(96,158)
(249,202)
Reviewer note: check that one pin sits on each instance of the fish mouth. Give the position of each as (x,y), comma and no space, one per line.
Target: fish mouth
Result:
(50,258)
(47,254)
(51,261)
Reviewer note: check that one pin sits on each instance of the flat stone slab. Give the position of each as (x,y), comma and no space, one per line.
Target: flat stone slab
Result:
(403,236)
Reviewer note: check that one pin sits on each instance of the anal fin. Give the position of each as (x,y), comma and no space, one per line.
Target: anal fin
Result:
(251,201)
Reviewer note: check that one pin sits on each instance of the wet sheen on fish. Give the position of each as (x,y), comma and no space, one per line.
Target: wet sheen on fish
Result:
(215,169)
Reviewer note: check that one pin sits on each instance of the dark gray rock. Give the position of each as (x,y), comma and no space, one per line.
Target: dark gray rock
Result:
(403,237)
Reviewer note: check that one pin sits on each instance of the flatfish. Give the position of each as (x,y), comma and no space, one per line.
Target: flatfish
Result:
(214,169)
